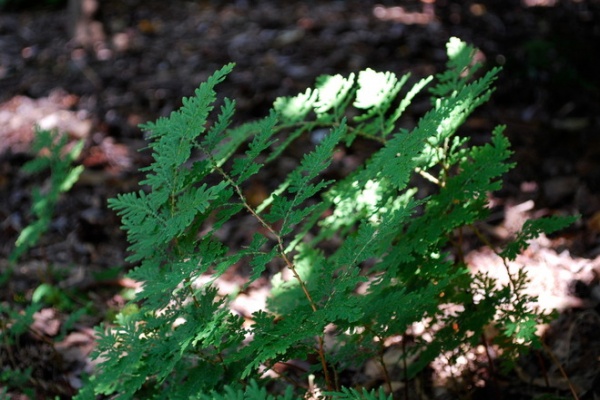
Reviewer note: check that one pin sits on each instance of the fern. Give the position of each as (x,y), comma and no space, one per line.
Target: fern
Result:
(63,175)
(54,157)
(394,241)
(353,394)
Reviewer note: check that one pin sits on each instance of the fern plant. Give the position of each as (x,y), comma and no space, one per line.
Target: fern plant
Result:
(52,155)
(361,257)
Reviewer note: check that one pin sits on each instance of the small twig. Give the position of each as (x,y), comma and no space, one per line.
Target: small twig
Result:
(490,363)
(288,262)
(543,368)
(222,361)
(386,374)
(405,365)
(289,379)
(428,176)
(485,241)
(561,369)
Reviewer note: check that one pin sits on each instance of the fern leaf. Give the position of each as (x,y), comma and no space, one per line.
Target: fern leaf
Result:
(188,205)
(216,133)
(363,394)
(461,201)
(460,56)
(141,219)
(295,109)
(174,137)
(259,259)
(333,91)
(373,230)
(244,168)
(375,92)
(62,177)
(532,229)
(390,123)
(300,187)
(291,137)
(274,341)
(235,137)
(116,370)
(251,392)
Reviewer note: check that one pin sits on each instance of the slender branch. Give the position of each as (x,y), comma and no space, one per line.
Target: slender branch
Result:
(561,369)
(380,341)
(485,241)
(543,368)
(196,302)
(286,378)
(490,362)
(405,366)
(272,231)
(513,283)
(428,176)
(290,265)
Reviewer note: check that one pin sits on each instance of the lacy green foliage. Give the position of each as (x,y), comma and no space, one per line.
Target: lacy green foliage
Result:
(252,391)
(372,230)
(52,155)
(13,324)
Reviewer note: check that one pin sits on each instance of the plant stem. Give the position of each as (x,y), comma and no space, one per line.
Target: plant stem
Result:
(288,262)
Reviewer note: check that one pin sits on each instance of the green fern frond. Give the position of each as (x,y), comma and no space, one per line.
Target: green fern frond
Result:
(300,187)
(460,67)
(355,394)
(333,93)
(296,109)
(63,176)
(355,259)
(244,168)
(532,229)
(375,92)
(251,392)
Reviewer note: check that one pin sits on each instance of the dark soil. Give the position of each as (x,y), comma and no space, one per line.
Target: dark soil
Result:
(132,61)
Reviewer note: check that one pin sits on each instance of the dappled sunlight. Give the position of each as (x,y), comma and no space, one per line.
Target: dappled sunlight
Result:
(20,114)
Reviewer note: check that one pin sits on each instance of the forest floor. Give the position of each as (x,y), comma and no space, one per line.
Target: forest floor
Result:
(136,60)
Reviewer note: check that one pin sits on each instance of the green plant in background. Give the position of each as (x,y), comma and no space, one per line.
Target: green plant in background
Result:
(14,323)
(53,156)
(372,230)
